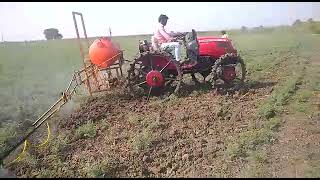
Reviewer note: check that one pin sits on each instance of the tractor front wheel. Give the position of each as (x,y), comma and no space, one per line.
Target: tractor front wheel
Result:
(231,69)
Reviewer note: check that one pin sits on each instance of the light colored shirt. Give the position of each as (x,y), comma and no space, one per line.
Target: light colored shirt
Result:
(161,35)
(225,36)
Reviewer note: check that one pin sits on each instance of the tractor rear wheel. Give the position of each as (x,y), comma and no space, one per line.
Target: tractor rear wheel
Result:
(154,74)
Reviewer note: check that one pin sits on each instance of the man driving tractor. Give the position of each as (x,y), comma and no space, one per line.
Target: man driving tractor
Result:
(161,39)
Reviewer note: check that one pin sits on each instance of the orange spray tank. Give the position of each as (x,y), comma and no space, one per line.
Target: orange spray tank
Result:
(103,51)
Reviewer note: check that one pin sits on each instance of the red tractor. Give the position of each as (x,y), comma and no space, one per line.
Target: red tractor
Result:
(155,72)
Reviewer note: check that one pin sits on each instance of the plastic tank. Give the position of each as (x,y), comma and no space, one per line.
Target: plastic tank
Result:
(102,51)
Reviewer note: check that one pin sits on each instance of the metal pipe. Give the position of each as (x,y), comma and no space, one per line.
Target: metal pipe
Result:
(47,111)
(81,49)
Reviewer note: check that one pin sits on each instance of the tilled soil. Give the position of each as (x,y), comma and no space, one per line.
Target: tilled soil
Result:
(185,137)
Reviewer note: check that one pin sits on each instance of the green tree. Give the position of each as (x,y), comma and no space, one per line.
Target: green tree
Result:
(52,33)
(244,28)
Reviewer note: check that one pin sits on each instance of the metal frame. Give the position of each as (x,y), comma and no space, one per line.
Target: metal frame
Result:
(80,46)
(100,81)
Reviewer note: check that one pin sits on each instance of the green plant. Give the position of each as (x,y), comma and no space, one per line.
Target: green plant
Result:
(134,118)
(94,171)
(7,133)
(273,124)
(252,139)
(86,131)
(267,110)
(142,140)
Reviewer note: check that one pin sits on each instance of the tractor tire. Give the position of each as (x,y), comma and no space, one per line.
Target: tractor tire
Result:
(138,71)
(216,72)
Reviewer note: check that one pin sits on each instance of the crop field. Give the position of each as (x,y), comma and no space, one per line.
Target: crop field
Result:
(271,130)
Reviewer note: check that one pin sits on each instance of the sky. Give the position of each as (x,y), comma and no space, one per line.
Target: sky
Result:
(20,21)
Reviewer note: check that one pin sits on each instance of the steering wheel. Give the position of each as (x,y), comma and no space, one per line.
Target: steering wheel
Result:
(181,35)
(178,36)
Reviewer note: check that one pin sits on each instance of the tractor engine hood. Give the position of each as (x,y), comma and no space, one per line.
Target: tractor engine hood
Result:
(215,46)
(211,39)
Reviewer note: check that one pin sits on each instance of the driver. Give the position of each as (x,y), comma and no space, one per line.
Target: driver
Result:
(164,40)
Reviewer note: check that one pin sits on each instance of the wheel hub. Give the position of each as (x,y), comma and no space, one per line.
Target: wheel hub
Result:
(155,79)
(229,73)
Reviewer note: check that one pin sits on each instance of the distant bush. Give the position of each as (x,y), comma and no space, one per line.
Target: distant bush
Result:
(297,22)
(310,20)
(315,27)
(244,29)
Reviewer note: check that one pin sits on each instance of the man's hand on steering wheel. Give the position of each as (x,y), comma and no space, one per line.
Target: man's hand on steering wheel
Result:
(173,39)
(178,34)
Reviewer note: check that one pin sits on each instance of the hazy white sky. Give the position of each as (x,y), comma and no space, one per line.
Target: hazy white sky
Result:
(21,21)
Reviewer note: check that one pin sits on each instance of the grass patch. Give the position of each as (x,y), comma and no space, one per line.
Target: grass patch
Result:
(105,168)
(148,124)
(94,171)
(30,160)
(105,124)
(303,100)
(172,101)
(256,167)
(280,97)
(151,122)
(267,110)
(86,131)
(249,145)
(303,95)
(158,103)
(45,173)
(293,90)
(7,133)
(314,169)
(57,170)
(273,124)
(249,141)
(134,118)
(142,141)
(300,107)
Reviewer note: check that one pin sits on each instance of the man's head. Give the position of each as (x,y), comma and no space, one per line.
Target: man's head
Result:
(163,19)
(223,32)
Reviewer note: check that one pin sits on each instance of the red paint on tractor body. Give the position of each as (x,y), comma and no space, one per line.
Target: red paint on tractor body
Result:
(158,62)
(215,46)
